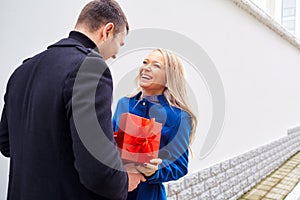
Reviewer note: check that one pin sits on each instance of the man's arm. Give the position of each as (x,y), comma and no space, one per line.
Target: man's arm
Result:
(4,138)
(87,95)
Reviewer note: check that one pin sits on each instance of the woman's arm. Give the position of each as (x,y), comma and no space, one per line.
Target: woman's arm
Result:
(175,165)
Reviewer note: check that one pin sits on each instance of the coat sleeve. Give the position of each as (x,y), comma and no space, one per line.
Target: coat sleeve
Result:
(116,117)
(174,154)
(4,138)
(87,96)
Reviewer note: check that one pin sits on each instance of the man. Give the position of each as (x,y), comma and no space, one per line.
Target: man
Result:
(47,103)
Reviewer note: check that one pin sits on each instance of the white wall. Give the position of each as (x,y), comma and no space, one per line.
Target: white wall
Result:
(259,70)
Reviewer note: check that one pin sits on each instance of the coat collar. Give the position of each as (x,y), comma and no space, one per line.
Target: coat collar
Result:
(83,39)
(78,40)
(161,98)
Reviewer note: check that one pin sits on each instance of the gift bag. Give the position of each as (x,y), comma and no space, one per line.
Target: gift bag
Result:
(138,138)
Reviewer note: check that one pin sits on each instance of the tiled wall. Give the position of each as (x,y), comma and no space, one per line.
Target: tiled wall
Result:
(232,178)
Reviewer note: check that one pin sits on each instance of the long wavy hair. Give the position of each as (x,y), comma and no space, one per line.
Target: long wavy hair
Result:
(175,88)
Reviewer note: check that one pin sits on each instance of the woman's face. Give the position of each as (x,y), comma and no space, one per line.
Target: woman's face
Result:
(152,75)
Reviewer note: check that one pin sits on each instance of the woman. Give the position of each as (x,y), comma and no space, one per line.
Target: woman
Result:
(161,94)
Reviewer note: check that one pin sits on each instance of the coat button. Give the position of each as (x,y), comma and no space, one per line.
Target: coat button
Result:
(144,103)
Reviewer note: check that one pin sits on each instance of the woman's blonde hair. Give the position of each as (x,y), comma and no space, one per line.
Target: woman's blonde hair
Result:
(175,88)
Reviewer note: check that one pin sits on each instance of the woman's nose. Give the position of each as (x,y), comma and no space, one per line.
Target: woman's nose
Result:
(147,67)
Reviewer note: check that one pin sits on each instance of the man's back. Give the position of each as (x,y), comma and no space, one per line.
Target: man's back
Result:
(39,119)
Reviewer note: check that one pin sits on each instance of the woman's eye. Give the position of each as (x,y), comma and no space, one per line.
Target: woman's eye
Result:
(157,66)
(145,62)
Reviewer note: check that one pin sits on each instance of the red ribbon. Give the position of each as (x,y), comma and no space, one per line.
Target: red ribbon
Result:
(140,144)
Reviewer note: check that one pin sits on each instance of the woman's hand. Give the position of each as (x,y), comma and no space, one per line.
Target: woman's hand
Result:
(149,169)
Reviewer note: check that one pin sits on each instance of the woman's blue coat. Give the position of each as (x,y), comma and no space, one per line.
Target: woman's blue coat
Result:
(173,147)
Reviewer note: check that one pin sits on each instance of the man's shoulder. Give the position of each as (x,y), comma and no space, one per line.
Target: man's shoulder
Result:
(72,43)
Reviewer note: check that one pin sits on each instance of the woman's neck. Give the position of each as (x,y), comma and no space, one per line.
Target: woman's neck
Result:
(151,93)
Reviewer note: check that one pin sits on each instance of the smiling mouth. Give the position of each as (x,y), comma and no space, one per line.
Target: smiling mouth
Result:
(145,76)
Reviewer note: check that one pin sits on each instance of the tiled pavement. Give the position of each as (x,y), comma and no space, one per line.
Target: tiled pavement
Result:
(270,171)
(279,183)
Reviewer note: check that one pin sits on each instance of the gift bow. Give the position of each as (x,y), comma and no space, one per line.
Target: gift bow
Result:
(140,144)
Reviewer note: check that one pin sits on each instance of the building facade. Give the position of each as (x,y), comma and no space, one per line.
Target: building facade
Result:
(285,12)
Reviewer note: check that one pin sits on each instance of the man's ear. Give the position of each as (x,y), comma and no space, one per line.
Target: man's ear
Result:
(107,31)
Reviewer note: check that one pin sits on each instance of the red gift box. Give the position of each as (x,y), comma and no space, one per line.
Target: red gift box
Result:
(138,138)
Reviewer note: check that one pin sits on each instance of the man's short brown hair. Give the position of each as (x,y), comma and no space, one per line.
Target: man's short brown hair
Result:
(99,12)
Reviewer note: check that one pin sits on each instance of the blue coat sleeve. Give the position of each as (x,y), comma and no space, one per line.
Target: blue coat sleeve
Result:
(115,118)
(111,180)
(4,137)
(175,164)
(122,107)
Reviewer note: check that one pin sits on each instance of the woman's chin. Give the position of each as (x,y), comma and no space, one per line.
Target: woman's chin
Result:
(144,85)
